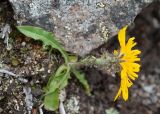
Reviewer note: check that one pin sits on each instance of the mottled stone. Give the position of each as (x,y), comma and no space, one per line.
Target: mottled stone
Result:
(81,25)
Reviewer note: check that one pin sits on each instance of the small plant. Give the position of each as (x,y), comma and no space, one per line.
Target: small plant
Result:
(122,60)
(111,111)
(59,79)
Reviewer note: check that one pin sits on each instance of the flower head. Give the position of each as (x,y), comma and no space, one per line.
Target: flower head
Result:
(129,67)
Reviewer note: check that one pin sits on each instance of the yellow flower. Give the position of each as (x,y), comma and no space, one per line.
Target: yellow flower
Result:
(129,67)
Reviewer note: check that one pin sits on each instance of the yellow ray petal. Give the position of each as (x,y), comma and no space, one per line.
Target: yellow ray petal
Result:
(135,52)
(129,83)
(118,94)
(130,43)
(122,37)
(124,89)
(124,84)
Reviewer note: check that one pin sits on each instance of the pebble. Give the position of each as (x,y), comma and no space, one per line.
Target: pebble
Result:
(23,44)
(149,88)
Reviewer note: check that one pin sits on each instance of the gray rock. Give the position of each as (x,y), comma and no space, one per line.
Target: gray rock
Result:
(81,25)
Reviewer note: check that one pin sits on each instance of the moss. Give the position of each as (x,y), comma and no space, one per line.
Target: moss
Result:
(14,61)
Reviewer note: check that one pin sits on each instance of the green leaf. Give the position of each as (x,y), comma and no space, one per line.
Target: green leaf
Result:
(112,111)
(56,83)
(81,77)
(59,79)
(46,37)
(51,101)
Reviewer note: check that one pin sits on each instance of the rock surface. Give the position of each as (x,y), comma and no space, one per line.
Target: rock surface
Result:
(81,25)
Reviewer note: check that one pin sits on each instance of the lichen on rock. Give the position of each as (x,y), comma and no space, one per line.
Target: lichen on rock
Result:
(76,22)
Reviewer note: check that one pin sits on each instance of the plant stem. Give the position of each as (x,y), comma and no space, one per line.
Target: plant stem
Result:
(106,61)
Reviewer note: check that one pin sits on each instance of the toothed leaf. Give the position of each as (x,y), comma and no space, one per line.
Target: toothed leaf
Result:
(81,77)
(51,101)
(47,38)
